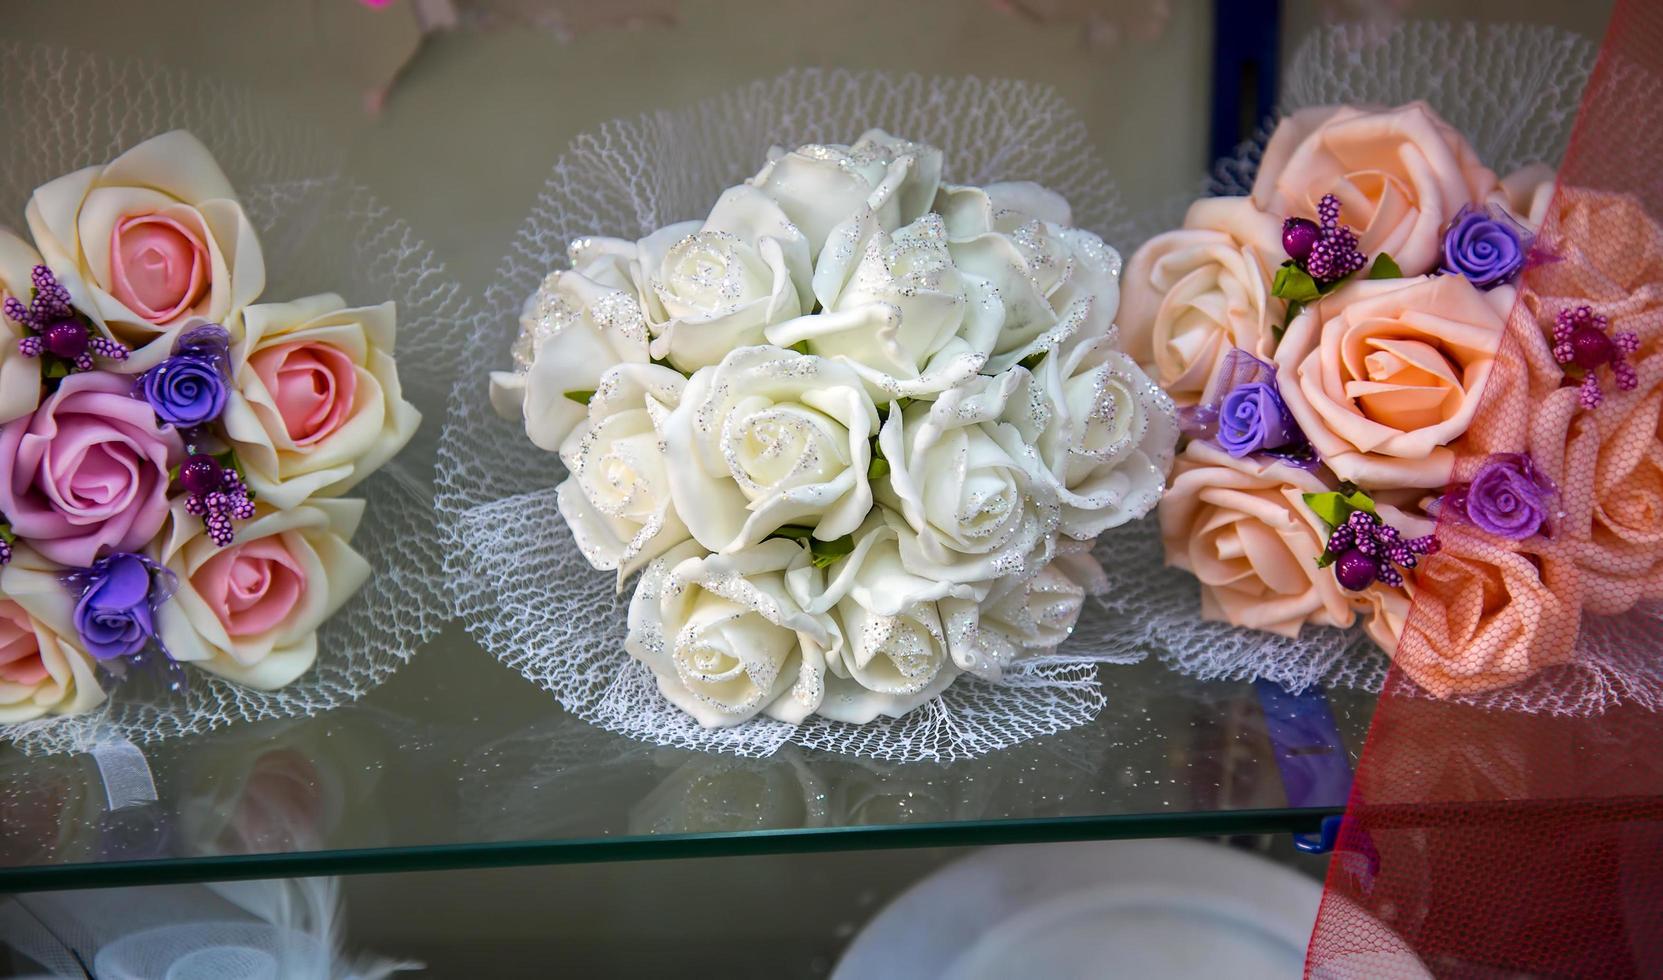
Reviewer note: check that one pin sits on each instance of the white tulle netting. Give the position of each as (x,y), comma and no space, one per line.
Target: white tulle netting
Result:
(320,233)
(1514,92)
(526,592)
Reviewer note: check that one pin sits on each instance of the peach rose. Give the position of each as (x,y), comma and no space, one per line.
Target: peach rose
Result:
(1400,176)
(1382,375)
(43,669)
(1487,614)
(1241,527)
(1190,295)
(148,242)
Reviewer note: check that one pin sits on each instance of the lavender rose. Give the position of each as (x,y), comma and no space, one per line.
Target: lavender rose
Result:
(1507,497)
(1253,418)
(1484,246)
(113,614)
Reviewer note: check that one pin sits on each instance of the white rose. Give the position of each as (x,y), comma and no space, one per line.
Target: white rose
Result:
(19,375)
(616,499)
(1071,271)
(1526,194)
(961,479)
(43,669)
(723,636)
(250,612)
(897,309)
(893,655)
(149,241)
(820,185)
(578,323)
(711,288)
(1022,616)
(767,438)
(1108,438)
(317,405)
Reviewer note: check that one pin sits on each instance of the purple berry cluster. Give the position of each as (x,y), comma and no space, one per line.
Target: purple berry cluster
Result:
(5,552)
(1582,337)
(1327,250)
(1366,551)
(54,327)
(217,495)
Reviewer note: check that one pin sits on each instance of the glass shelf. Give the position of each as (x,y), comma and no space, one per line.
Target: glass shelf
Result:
(416,776)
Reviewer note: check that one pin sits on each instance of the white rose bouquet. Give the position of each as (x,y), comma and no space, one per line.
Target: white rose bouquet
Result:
(856,428)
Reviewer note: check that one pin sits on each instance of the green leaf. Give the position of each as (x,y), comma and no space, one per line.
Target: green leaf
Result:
(1294,283)
(581,397)
(1278,329)
(878,469)
(826,552)
(1032,361)
(1358,500)
(1334,508)
(1333,284)
(6,534)
(1385,267)
(55,370)
(800,347)
(1325,559)
(793,532)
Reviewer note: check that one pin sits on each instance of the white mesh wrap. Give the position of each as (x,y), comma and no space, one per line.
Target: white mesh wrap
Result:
(320,233)
(1513,91)
(525,590)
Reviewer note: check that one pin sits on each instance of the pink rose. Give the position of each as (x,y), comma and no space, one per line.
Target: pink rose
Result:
(87,470)
(1382,375)
(1400,176)
(1190,295)
(312,385)
(159,266)
(43,668)
(251,586)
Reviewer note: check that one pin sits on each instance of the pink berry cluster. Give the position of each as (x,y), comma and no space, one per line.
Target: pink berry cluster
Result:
(1367,550)
(1328,251)
(1582,337)
(217,495)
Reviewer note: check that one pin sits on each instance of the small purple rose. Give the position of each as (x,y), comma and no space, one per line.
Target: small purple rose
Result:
(115,615)
(1253,418)
(1484,246)
(189,389)
(1507,497)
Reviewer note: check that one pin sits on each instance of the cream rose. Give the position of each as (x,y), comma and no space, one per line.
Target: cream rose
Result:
(616,499)
(1400,176)
(148,242)
(1109,438)
(893,656)
(43,668)
(19,375)
(820,185)
(898,310)
(768,438)
(1022,616)
(1069,286)
(965,483)
(725,639)
(1383,375)
(1242,528)
(1193,294)
(578,323)
(251,612)
(1526,194)
(317,406)
(712,287)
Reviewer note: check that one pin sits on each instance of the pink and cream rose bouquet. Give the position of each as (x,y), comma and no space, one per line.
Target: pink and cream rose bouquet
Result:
(1364,425)
(173,455)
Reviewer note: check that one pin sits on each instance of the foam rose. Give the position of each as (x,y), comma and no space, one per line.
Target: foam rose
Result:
(87,471)
(318,405)
(251,612)
(724,637)
(148,242)
(1383,375)
(1241,528)
(820,185)
(43,668)
(1400,175)
(1191,295)
(19,375)
(1487,614)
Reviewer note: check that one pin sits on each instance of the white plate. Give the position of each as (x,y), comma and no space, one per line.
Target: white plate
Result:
(1095,909)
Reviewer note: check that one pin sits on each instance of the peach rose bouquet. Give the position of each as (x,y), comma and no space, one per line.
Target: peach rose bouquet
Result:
(1377,421)
(173,455)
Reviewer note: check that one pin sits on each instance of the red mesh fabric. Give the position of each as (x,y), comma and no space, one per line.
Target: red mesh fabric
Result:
(1484,839)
